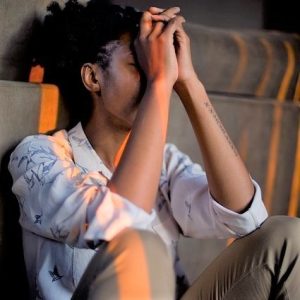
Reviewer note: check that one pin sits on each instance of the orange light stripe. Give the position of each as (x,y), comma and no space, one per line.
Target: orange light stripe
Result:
(243,61)
(295,190)
(120,151)
(276,128)
(296,97)
(48,108)
(36,74)
(260,91)
(128,281)
(290,69)
(273,157)
(229,241)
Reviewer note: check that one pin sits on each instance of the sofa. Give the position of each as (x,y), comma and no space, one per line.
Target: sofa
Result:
(252,78)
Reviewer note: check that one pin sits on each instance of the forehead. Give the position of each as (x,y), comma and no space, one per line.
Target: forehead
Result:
(123,47)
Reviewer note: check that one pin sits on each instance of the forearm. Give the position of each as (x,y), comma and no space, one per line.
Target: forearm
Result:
(137,175)
(228,179)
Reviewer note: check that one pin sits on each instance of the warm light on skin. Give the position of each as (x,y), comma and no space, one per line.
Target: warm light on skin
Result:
(120,151)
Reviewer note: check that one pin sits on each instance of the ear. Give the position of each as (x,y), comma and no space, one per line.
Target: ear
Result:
(90,77)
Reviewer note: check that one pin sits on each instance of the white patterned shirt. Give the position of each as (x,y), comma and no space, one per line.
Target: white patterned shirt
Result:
(66,208)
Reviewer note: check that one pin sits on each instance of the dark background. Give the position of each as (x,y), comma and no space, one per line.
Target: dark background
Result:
(242,14)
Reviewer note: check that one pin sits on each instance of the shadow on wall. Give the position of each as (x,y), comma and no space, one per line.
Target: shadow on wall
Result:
(16,57)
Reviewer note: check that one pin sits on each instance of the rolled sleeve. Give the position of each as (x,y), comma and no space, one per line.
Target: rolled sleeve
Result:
(195,210)
(240,224)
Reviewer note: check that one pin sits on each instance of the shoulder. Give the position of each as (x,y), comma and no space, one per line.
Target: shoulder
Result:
(59,138)
(42,144)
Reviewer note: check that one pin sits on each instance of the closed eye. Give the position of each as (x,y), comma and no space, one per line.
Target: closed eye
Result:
(134,65)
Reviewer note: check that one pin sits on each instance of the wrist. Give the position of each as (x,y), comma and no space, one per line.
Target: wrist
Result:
(188,87)
(160,85)
(186,81)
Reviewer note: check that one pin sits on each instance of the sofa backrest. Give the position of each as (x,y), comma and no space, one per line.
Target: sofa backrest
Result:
(252,63)
(25,109)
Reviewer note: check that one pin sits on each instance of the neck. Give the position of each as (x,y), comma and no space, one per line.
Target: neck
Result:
(108,142)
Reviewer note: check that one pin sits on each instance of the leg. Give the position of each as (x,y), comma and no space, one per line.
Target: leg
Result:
(134,265)
(262,265)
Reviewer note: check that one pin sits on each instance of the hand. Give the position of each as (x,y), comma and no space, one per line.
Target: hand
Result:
(186,70)
(154,45)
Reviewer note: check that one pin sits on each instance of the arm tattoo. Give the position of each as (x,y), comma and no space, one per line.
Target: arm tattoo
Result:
(215,116)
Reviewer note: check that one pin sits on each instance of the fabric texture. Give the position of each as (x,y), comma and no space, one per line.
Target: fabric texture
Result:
(263,265)
(67,210)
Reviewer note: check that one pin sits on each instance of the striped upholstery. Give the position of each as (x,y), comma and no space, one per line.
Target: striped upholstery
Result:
(247,62)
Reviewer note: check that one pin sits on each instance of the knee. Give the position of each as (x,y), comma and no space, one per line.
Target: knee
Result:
(144,253)
(284,229)
(132,243)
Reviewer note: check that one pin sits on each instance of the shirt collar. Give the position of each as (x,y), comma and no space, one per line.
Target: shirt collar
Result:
(84,154)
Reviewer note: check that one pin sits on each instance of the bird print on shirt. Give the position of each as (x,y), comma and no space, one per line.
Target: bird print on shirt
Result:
(54,274)
(38,219)
(189,209)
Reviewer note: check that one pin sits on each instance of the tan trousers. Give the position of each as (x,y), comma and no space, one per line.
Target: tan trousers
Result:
(262,265)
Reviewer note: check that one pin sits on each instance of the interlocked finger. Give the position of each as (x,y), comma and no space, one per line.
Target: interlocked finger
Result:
(173,25)
(169,12)
(163,15)
(145,24)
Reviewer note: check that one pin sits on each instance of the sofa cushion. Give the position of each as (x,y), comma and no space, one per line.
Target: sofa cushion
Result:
(255,63)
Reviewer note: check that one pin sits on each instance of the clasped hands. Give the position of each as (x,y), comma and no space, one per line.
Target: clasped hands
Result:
(163,47)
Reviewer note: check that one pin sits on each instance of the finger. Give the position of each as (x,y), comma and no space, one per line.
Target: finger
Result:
(155,10)
(157,29)
(173,25)
(161,18)
(145,24)
(170,12)
(180,33)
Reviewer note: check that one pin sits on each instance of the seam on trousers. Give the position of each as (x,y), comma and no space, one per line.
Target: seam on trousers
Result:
(243,277)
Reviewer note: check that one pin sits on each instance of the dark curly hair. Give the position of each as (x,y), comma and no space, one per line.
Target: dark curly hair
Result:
(74,35)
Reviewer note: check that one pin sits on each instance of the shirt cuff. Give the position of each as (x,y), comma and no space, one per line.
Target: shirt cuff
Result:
(241,224)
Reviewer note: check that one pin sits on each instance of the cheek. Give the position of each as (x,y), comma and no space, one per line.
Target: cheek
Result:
(131,83)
